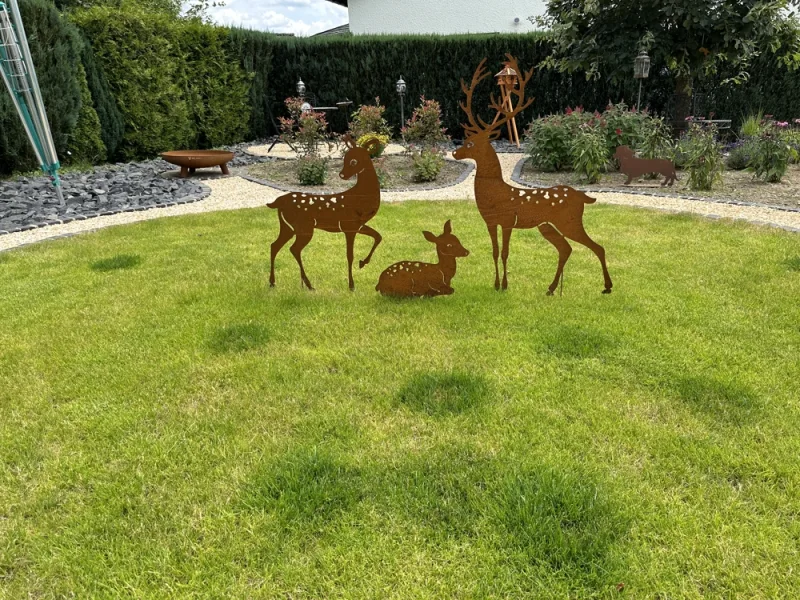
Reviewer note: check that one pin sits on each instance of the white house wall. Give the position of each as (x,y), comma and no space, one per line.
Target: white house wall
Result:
(443,16)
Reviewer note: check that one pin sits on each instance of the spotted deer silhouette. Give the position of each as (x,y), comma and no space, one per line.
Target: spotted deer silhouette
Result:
(557,212)
(347,212)
(414,279)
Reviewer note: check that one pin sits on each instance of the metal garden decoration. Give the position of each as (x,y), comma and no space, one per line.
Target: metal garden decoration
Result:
(641,70)
(634,167)
(348,212)
(410,279)
(19,76)
(557,211)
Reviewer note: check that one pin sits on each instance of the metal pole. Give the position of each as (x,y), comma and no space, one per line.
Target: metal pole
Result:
(639,101)
(402,112)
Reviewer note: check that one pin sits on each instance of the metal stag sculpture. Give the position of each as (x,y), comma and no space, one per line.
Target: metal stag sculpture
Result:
(635,167)
(409,279)
(557,211)
(347,212)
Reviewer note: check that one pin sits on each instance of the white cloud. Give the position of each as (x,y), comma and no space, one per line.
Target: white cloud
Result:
(301,17)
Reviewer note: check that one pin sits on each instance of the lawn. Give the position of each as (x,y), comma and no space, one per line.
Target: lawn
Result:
(170,427)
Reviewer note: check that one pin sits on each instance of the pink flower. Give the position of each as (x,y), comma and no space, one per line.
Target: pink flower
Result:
(690,118)
(782,124)
(568,111)
(618,131)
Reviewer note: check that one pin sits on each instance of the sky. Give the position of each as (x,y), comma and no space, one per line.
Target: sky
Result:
(300,17)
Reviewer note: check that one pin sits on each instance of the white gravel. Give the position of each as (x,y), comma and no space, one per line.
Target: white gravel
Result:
(231,193)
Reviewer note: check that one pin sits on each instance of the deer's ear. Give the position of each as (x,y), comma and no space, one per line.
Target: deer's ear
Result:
(447,227)
(430,237)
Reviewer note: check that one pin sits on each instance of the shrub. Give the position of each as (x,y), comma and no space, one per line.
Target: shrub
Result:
(369,119)
(547,142)
(703,157)
(770,155)
(752,125)
(623,126)
(589,153)
(428,163)
(85,144)
(312,170)
(739,155)
(112,123)
(375,151)
(55,49)
(655,139)
(424,128)
(305,130)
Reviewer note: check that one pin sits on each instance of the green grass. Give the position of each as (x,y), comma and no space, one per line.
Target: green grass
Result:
(170,427)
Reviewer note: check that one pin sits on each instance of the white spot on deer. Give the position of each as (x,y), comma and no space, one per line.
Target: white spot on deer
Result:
(552,204)
(294,195)
(311,202)
(333,199)
(561,201)
(521,193)
(547,195)
(528,198)
(555,195)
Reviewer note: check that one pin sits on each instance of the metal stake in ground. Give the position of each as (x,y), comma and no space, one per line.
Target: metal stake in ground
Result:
(19,75)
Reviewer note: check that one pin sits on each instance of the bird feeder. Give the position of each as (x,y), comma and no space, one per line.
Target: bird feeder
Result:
(508,79)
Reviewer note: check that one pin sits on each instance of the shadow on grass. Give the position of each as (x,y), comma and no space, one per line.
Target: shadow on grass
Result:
(238,338)
(560,519)
(4,258)
(442,394)
(792,264)
(116,263)
(574,341)
(306,487)
(725,401)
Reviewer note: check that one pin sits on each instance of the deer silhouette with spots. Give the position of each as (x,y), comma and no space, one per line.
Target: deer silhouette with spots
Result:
(409,279)
(347,212)
(557,212)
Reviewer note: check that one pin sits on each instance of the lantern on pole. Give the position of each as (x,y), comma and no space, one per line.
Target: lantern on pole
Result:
(400,87)
(19,76)
(641,70)
(301,88)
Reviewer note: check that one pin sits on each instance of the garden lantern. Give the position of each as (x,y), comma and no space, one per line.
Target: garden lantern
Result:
(641,70)
(400,86)
(301,88)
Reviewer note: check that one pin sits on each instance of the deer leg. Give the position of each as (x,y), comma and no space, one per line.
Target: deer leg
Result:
(506,241)
(365,230)
(350,237)
(284,235)
(552,235)
(300,242)
(582,237)
(495,254)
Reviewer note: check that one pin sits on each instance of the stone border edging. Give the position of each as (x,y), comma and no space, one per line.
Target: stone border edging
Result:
(516,176)
(461,179)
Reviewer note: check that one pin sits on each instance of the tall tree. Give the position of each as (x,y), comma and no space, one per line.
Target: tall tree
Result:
(690,37)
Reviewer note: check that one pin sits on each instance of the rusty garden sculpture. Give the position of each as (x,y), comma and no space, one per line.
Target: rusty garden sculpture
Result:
(347,212)
(635,167)
(557,211)
(409,279)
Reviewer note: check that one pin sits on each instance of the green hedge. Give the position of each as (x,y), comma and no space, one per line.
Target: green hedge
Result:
(86,143)
(55,49)
(254,51)
(112,123)
(176,82)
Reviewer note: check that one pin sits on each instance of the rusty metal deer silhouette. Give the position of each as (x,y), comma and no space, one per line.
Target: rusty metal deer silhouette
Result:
(410,279)
(347,212)
(557,211)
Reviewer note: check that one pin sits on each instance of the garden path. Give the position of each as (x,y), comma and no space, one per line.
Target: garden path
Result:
(231,193)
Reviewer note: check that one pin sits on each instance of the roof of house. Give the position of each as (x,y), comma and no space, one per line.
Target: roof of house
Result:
(340,30)
(339,2)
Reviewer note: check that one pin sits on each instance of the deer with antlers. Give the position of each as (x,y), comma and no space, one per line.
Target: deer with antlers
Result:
(347,212)
(557,211)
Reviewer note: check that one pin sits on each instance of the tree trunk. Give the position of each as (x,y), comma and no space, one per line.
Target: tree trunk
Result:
(683,102)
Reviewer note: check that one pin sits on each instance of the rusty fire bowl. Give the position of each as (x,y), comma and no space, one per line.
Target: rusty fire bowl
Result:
(190,160)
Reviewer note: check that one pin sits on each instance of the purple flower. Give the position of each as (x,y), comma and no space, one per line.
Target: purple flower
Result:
(782,124)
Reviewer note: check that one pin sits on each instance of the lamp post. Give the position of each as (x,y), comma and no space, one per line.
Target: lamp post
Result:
(400,87)
(641,70)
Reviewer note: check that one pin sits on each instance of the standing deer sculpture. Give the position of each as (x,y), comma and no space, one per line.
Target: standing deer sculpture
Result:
(347,212)
(411,279)
(557,211)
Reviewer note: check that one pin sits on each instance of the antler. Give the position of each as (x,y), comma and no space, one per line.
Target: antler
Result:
(522,104)
(476,124)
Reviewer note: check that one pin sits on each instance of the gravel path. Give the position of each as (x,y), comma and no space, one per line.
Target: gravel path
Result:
(231,193)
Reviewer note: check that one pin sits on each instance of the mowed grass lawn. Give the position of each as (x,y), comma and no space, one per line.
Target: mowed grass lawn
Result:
(170,427)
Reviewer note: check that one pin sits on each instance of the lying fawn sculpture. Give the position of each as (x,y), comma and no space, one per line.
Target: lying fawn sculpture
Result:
(413,279)
(635,167)
(557,212)
(347,212)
